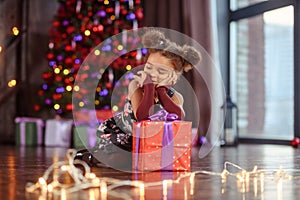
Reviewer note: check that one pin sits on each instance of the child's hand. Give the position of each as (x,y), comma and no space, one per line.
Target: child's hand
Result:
(169,81)
(140,78)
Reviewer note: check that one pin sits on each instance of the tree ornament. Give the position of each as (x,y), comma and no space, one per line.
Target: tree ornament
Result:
(295,142)
(56,23)
(36,107)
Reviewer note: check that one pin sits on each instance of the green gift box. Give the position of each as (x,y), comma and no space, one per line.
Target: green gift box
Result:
(84,136)
(29,131)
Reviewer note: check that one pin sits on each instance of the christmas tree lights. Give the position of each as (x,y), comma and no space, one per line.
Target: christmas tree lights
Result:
(78,27)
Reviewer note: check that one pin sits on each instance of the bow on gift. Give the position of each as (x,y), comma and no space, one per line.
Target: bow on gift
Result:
(167,139)
(163,115)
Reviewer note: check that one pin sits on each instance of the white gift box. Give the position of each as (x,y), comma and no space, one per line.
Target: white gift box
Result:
(58,132)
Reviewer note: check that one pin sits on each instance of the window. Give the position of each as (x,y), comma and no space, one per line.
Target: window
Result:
(262,68)
(237,4)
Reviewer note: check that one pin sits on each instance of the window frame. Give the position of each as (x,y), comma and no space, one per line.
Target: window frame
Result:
(250,11)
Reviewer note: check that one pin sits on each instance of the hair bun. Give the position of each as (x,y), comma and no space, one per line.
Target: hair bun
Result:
(191,55)
(154,39)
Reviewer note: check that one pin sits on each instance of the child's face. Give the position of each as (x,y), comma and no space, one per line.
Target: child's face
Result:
(158,67)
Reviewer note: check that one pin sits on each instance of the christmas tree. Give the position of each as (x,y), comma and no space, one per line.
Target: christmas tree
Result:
(78,27)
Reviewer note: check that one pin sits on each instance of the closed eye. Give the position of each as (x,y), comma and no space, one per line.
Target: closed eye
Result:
(162,71)
(148,66)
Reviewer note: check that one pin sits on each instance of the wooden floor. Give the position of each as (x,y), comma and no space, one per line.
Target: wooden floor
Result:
(18,166)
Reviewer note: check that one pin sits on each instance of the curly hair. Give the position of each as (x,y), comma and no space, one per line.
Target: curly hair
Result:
(182,57)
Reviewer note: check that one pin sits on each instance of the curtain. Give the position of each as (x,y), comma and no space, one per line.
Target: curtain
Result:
(190,17)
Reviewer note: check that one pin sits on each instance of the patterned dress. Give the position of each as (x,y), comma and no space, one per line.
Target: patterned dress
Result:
(116,132)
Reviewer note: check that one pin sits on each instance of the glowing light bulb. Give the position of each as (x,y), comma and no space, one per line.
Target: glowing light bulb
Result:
(51,45)
(12,83)
(66,71)
(56,70)
(128,67)
(42,181)
(115,108)
(0,49)
(91,175)
(112,17)
(97,102)
(100,27)
(120,47)
(97,52)
(106,2)
(87,32)
(64,168)
(56,106)
(81,104)
(96,181)
(15,31)
(50,188)
(76,88)
(69,88)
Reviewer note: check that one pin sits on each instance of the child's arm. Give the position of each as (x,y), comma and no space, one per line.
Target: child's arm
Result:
(142,102)
(135,95)
(171,105)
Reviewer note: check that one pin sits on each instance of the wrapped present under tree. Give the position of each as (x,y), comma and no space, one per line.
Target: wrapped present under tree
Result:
(29,131)
(84,136)
(58,132)
(159,145)
(86,124)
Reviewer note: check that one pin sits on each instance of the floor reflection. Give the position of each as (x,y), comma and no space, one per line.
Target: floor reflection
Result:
(11,175)
(19,166)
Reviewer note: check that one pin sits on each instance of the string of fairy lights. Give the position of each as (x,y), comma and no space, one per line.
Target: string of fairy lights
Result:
(49,186)
(14,33)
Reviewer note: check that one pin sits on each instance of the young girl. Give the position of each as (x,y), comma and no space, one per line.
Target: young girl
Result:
(149,91)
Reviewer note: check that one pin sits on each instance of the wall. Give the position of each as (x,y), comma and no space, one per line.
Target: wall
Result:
(23,60)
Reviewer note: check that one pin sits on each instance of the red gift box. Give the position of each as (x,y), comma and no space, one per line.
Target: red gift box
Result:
(159,145)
